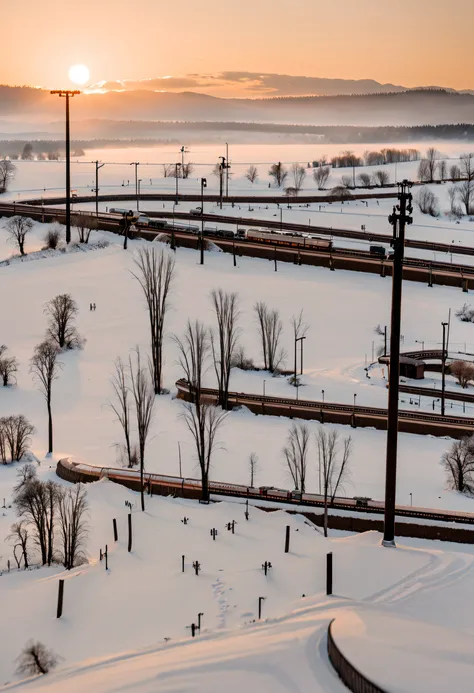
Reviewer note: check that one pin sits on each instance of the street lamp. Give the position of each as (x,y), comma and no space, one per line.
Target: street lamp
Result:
(422,342)
(444,325)
(136,164)
(203,185)
(355,398)
(299,339)
(322,392)
(264,387)
(67,93)
(97,167)
(177,173)
(139,185)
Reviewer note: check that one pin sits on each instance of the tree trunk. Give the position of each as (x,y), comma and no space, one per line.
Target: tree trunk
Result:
(50,427)
(205,487)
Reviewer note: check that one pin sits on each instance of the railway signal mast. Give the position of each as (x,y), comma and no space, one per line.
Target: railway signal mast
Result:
(399,219)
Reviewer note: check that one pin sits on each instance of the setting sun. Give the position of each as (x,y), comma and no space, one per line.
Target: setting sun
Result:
(79,74)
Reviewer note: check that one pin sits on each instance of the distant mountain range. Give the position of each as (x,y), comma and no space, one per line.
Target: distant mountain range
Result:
(26,109)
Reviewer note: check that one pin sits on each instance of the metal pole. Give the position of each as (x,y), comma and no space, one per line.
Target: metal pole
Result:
(301,356)
(295,368)
(59,610)
(227,170)
(114,521)
(443,369)
(203,185)
(287,539)
(179,453)
(329,573)
(177,175)
(398,219)
(68,174)
(129,532)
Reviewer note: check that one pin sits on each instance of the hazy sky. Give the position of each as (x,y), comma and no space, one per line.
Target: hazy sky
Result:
(410,42)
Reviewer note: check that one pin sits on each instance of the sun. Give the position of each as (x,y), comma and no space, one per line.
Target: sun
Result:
(79,74)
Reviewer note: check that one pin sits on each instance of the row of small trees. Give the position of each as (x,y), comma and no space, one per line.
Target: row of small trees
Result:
(18,228)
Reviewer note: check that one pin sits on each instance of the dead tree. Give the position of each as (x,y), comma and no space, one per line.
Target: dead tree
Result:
(202,419)
(25,474)
(45,367)
(155,275)
(270,328)
(365,180)
(144,398)
(84,225)
(72,509)
(321,176)
(466,195)
(332,471)
(381,178)
(466,165)
(253,465)
(62,311)
(458,463)
(431,165)
(187,169)
(7,174)
(8,367)
(36,659)
(296,454)
(121,407)
(17,230)
(279,173)
(427,202)
(463,372)
(52,238)
(19,536)
(37,502)
(15,432)
(442,169)
(223,344)
(251,174)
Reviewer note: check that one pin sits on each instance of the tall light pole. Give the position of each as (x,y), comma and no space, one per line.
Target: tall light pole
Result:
(97,167)
(399,219)
(139,185)
(443,368)
(177,173)
(203,185)
(298,339)
(67,93)
(227,170)
(222,168)
(183,150)
(136,164)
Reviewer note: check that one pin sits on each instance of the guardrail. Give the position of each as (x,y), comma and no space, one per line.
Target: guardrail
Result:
(347,672)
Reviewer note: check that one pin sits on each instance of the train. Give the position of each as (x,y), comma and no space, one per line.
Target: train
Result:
(291,240)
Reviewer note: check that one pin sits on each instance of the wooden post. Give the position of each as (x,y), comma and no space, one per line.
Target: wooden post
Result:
(60,599)
(129,532)
(115,529)
(106,554)
(182,563)
(329,573)
(287,539)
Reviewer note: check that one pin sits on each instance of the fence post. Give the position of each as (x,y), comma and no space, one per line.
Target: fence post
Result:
(182,563)
(60,599)
(287,539)
(329,573)
(115,529)
(106,555)
(129,532)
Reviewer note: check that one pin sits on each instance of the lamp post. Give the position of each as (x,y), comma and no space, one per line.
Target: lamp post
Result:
(203,185)
(136,164)
(67,94)
(355,398)
(97,167)
(264,387)
(399,219)
(299,339)
(222,168)
(443,368)
(177,173)
(322,392)
(422,342)
(227,170)
(139,185)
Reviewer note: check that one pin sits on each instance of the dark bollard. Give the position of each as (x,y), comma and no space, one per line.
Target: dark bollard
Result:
(193,629)
(106,555)
(100,555)
(182,563)
(129,532)
(60,599)
(287,539)
(115,529)
(329,573)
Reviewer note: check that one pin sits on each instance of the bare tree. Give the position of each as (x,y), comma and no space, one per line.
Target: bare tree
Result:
(365,180)
(463,372)
(25,474)
(270,329)
(121,407)
(17,230)
(8,367)
(19,535)
(72,508)
(296,454)
(52,237)
(44,366)
(332,470)
(37,503)
(62,311)
(155,275)
(84,225)
(202,419)
(253,466)
(442,169)
(381,178)
(251,173)
(321,176)
(427,202)
(466,195)
(298,175)
(7,174)
(279,173)
(144,398)
(453,206)
(16,432)
(347,182)
(187,169)
(339,192)
(466,164)
(223,344)
(454,172)
(458,463)
(168,170)
(431,158)
(36,659)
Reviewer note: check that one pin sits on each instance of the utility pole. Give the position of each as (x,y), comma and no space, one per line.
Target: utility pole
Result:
(136,164)
(399,219)
(184,150)
(203,185)
(227,170)
(222,168)
(138,193)
(177,173)
(444,356)
(67,93)
(97,167)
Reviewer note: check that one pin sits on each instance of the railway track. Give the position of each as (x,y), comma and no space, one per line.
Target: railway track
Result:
(421,423)
(161,484)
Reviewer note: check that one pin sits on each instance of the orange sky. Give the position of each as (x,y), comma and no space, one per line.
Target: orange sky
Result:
(409,42)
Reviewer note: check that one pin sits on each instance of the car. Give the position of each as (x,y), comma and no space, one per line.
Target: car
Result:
(197,211)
